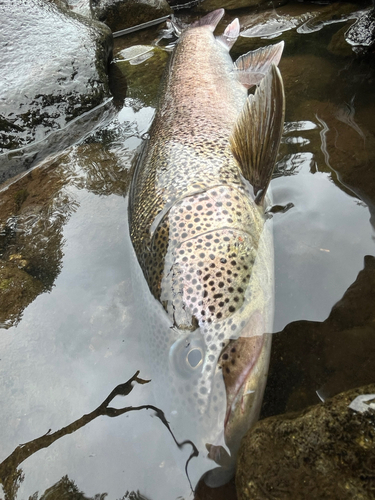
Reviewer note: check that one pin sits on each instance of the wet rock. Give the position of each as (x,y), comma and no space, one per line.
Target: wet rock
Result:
(121,14)
(54,68)
(313,360)
(362,34)
(327,451)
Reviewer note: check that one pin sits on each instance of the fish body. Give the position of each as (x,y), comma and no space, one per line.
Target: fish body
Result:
(199,231)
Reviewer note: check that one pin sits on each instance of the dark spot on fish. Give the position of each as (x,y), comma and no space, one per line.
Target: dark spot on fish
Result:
(231,309)
(236,299)
(221,284)
(230,289)
(218,295)
(233,349)
(227,370)
(205,293)
(219,315)
(199,207)
(225,356)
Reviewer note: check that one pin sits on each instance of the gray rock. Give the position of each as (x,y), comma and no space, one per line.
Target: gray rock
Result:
(325,452)
(54,69)
(121,14)
(362,32)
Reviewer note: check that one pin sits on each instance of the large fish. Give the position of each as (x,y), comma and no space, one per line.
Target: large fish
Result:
(201,236)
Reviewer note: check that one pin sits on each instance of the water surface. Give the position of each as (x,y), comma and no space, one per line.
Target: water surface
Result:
(66,348)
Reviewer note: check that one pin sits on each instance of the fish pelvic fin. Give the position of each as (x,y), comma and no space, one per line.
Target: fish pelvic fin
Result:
(254,65)
(230,35)
(210,20)
(256,137)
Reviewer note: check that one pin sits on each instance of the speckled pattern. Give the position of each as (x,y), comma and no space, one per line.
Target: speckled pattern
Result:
(196,231)
(193,224)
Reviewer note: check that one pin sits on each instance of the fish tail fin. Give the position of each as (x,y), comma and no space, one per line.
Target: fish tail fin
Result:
(254,65)
(210,20)
(230,35)
(257,133)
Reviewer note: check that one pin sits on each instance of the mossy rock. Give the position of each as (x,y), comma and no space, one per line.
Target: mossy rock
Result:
(326,452)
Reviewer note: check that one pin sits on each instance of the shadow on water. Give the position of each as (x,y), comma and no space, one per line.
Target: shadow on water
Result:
(312,361)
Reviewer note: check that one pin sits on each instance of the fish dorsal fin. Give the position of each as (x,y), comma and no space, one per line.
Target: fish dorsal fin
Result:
(252,67)
(211,20)
(230,35)
(257,133)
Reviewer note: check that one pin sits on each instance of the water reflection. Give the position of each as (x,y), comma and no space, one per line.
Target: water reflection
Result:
(11,475)
(311,360)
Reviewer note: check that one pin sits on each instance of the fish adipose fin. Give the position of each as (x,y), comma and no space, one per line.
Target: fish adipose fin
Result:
(254,65)
(230,35)
(211,20)
(257,133)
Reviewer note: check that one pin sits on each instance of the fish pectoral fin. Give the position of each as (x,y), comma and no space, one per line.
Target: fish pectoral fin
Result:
(210,20)
(253,66)
(257,133)
(230,35)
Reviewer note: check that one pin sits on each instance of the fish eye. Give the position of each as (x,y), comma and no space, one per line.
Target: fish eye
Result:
(187,355)
(195,357)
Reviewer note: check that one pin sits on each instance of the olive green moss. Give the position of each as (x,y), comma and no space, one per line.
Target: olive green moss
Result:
(144,79)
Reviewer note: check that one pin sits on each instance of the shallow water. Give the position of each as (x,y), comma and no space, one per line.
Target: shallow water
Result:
(69,344)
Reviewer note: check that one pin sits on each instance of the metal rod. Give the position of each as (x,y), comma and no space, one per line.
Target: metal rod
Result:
(140,26)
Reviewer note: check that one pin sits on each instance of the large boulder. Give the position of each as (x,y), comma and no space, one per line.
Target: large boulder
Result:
(54,69)
(325,452)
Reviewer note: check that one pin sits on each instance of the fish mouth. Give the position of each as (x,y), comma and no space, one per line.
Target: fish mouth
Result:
(241,391)
(242,365)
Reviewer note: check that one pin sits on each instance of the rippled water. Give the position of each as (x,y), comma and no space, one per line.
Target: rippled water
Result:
(74,336)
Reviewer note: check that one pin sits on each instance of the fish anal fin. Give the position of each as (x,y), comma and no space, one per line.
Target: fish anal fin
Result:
(257,133)
(249,79)
(251,66)
(210,20)
(230,35)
